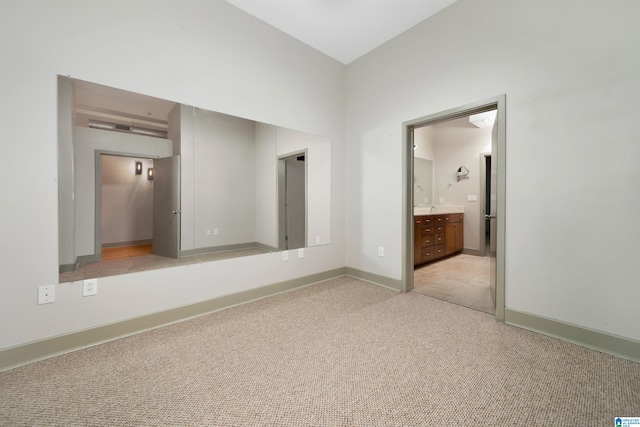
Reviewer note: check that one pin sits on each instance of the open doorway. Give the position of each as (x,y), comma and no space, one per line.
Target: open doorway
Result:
(137,204)
(292,201)
(452,265)
(125,216)
(472,201)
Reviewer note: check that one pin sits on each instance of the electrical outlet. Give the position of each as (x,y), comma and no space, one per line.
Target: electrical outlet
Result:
(46,294)
(216,231)
(285,255)
(89,287)
(300,253)
(380,251)
(208,232)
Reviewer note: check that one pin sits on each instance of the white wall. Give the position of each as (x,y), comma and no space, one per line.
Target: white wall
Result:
(318,165)
(571,76)
(224,171)
(127,201)
(459,143)
(266,185)
(207,54)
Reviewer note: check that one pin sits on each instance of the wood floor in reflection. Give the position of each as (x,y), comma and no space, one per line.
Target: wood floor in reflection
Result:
(126,251)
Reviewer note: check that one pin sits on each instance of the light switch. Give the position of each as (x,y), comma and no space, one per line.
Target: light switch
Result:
(472,198)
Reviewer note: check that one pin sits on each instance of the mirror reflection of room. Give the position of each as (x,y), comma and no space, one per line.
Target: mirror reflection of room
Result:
(451,235)
(146,183)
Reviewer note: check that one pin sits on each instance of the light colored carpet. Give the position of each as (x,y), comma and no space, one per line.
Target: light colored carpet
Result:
(339,353)
(462,279)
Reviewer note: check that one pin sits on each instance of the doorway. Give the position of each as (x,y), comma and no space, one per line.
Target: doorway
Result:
(292,201)
(125,206)
(496,257)
(137,206)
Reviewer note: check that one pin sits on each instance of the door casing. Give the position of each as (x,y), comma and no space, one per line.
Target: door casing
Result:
(498,103)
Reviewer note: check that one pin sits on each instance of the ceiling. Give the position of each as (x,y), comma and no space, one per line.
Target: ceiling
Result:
(108,104)
(342,29)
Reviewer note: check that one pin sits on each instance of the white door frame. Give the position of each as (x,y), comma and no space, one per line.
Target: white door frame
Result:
(498,103)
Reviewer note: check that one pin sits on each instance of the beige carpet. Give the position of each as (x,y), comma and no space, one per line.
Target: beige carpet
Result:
(462,279)
(339,353)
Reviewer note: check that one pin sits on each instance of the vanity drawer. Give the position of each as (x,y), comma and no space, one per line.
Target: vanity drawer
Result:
(439,251)
(427,254)
(428,240)
(440,238)
(439,219)
(428,230)
(440,228)
(453,217)
(425,220)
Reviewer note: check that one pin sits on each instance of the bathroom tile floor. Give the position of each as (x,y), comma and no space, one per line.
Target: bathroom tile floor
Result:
(462,279)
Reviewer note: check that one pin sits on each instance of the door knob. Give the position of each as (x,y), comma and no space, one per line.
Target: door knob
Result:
(175,212)
(489,216)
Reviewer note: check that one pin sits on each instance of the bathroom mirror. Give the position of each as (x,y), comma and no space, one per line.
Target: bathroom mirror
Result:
(423,166)
(423,182)
(226,174)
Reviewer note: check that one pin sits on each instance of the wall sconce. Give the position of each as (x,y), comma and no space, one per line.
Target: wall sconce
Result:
(138,168)
(150,174)
(463,173)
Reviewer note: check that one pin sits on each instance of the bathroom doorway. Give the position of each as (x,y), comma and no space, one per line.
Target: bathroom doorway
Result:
(490,268)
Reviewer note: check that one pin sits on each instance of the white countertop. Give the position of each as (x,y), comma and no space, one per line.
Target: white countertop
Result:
(427,210)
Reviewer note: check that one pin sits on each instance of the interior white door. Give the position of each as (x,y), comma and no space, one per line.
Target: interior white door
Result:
(166,206)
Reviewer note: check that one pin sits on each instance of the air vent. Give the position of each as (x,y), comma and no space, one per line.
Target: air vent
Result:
(127,129)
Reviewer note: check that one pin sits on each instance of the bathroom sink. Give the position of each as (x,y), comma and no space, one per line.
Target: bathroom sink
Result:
(426,210)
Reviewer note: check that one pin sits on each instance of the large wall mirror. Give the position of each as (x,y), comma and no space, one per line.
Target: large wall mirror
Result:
(423,168)
(177,184)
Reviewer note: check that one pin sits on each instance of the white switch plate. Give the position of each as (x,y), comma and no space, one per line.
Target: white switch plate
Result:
(441,200)
(317,240)
(300,253)
(380,251)
(208,232)
(46,294)
(285,255)
(216,231)
(472,198)
(89,287)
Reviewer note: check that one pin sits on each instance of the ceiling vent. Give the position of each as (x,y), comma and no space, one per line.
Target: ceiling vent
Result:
(127,129)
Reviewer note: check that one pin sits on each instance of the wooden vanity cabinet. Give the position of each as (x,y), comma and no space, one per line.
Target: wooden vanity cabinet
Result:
(454,233)
(431,236)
